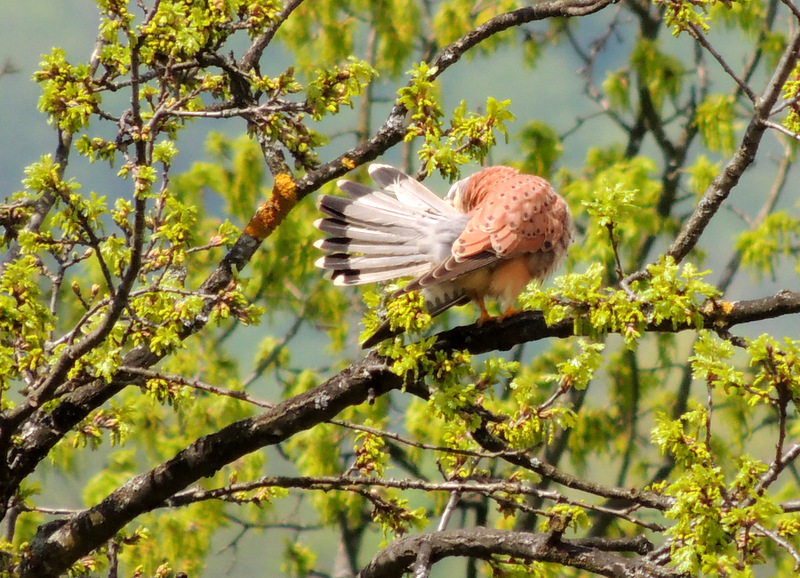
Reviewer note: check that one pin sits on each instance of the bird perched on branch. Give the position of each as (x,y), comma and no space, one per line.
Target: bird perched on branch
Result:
(496,231)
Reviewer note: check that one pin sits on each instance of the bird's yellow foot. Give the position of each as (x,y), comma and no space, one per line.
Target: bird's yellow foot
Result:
(507,313)
(485,316)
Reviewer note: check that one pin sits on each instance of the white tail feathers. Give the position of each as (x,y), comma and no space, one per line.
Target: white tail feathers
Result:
(409,191)
(400,230)
(380,235)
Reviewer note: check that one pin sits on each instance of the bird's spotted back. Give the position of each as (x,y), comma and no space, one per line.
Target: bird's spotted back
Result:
(512,214)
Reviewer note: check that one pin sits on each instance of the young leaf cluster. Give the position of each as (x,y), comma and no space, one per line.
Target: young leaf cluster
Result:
(470,135)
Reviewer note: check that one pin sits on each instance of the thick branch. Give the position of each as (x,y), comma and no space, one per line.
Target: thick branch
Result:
(58,544)
(594,555)
(367,378)
(530,325)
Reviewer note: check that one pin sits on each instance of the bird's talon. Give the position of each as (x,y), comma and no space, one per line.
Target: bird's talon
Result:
(484,318)
(507,313)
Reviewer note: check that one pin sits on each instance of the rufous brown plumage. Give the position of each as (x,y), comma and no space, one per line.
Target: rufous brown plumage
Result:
(496,231)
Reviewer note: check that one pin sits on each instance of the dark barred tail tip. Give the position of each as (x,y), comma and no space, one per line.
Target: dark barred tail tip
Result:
(345,276)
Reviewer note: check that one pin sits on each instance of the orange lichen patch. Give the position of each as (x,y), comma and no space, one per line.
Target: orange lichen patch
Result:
(718,307)
(274,210)
(348,163)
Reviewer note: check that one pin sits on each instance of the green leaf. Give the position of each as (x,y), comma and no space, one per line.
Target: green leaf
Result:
(762,247)
(714,119)
(543,148)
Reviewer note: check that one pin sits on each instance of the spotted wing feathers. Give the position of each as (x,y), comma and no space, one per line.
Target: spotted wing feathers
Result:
(512,213)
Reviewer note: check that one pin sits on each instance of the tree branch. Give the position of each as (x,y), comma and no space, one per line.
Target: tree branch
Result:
(58,544)
(393,129)
(700,36)
(530,325)
(593,555)
(723,183)
(44,203)
(256,49)
(354,385)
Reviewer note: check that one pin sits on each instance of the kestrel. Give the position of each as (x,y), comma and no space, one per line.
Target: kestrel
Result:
(492,234)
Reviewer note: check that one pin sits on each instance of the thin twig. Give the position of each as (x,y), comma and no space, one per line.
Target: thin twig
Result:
(782,129)
(700,36)
(196,384)
(782,542)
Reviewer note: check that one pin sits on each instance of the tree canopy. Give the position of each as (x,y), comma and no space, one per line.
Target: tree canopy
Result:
(168,344)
